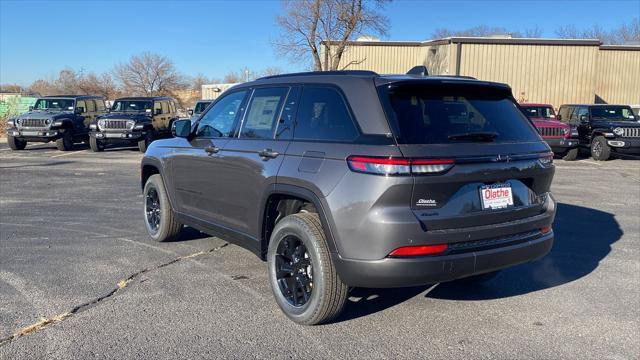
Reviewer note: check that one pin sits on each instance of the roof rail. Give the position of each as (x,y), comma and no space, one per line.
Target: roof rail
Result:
(419,70)
(314,73)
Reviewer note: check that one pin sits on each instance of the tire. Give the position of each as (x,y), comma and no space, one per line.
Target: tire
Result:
(95,144)
(15,143)
(570,154)
(478,279)
(145,142)
(167,227)
(65,143)
(298,243)
(600,151)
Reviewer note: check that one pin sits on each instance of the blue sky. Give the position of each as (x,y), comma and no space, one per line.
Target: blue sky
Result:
(37,39)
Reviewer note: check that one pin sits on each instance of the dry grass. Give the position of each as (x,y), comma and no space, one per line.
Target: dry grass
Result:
(40,324)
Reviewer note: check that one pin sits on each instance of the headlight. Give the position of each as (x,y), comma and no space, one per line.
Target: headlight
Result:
(564,131)
(130,124)
(18,122)
(101,123)
(618,131)
(47,122)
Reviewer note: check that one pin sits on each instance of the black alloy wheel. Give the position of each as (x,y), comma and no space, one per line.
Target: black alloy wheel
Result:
(294,271)
(152,210)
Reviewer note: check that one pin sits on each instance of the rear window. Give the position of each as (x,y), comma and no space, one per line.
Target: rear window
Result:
(455,114)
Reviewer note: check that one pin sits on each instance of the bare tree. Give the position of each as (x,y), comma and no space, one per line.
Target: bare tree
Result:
(626,33)
(14,88)
(307,24)
(483,30)
(149,74)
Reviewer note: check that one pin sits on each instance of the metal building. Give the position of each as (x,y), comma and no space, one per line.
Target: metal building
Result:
(212,91)
(554,71)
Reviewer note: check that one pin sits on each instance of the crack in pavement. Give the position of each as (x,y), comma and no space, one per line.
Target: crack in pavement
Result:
(45,322)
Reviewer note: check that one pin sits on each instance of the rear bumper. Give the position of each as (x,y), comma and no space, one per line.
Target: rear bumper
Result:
(403,272)
(559,145)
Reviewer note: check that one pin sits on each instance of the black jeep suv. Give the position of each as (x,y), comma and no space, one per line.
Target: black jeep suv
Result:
(603,129)
(137,120)
(353,179)
(64,119)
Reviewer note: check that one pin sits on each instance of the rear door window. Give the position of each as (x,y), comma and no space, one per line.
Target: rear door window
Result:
(323,116)
(452,114)
(91,106)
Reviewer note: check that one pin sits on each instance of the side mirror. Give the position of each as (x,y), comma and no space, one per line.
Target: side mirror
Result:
(181,128)
(583,118)
(158,111)
(30,107)
(190,112)
(79,110)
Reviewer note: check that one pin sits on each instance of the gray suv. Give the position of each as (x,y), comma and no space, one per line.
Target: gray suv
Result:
(354,179)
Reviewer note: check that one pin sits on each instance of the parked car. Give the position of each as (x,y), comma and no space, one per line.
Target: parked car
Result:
(198,109)
(602,129)
(64,119)
(352,179)
(556,133)
(134,120)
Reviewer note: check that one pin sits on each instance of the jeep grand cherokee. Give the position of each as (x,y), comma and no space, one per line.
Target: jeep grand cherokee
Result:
(353,179)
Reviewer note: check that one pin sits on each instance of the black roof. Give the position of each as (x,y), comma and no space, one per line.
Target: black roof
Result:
(349,75)
(147,98)
(74,96)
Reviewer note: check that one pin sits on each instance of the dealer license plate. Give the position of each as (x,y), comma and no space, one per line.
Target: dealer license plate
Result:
(496,196)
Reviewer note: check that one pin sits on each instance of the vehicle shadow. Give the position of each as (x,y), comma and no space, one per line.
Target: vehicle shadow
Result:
(188,233)
(583,237)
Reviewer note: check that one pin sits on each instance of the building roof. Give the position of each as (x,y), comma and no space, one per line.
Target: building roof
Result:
(478,40)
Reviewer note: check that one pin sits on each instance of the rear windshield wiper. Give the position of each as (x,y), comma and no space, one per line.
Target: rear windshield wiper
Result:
(474,136)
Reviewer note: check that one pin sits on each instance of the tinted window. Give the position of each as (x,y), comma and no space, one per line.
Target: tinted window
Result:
(100,105)
(284,128)
(432,115)
(219,120)
(612,113)
(323,115)
(157,106)
(262,113)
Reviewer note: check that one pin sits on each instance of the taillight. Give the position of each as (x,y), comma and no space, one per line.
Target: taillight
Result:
(398,166)
(407,251)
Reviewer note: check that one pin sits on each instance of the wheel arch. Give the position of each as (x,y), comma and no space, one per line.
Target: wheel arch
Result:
(269,205)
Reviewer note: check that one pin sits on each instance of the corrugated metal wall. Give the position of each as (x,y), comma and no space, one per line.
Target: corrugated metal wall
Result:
(554,74)
(618,76)
(384,59)
(546,71)
(212,91)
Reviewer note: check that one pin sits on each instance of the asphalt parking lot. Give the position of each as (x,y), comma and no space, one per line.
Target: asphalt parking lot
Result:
(73,251)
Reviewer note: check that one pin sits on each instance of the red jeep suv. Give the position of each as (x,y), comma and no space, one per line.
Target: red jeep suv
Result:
(556,133)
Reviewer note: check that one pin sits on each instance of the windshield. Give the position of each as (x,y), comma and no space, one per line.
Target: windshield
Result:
(545,112)
(451,114)
(200,106)
(54,104)
(132,106)
(612,113)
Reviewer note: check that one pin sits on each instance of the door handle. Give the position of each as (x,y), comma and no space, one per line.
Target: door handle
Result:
(268,154)
(212,150)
